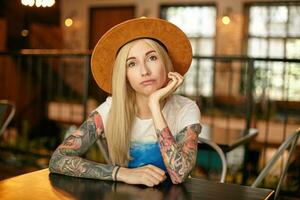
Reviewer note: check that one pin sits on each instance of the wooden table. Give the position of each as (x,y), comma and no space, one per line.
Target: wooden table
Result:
(228,139)
(43,185)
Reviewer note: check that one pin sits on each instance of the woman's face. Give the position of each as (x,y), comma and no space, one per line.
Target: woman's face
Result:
(145,70)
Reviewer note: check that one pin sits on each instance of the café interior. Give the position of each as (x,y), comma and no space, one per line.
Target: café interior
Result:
(244,76)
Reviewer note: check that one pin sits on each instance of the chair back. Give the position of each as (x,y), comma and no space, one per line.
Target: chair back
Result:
(7,111)
(221,155)
(290,141)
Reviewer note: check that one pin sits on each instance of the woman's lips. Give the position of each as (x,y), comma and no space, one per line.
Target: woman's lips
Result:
(147,82)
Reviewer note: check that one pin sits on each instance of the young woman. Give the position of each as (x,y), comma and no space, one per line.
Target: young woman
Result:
(144,131)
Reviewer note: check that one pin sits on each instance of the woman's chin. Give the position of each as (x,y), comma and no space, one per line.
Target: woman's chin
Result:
(147,91)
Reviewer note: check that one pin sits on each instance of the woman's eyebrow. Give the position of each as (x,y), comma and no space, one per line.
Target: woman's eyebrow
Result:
(149,52)
(145,55)
(130,58)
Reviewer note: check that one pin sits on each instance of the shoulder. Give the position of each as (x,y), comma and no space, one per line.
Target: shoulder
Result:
(104,108)
(181,112)
(179,102)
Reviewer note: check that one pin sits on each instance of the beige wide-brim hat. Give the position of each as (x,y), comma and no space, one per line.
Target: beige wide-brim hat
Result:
(105,51)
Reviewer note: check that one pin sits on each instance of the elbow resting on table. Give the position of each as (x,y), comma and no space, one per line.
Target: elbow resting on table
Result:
(177,179)
(53,167)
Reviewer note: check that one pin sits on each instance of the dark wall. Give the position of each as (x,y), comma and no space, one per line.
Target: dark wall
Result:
(20,17)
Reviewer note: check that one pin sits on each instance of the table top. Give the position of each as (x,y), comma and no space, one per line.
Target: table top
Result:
(44,185)
(228,139)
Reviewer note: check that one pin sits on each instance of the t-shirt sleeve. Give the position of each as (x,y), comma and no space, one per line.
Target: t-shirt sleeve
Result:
(188,115)
(103,110)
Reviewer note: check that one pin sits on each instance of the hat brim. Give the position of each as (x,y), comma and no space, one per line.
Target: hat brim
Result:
(105,51)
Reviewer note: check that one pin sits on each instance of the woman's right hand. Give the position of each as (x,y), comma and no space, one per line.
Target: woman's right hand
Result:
(148,175)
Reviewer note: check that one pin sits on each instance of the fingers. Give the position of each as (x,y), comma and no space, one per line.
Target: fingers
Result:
(153,175)
(148,175)
(151,180)
(179,76)
(176,80)
(157,173)
(157,169)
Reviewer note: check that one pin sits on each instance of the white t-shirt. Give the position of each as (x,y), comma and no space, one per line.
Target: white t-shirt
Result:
(178,111)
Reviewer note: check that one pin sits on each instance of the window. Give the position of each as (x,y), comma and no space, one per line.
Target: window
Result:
(274,31)
(199,24)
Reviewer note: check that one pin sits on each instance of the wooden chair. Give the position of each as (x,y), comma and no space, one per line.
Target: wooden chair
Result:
(7,111)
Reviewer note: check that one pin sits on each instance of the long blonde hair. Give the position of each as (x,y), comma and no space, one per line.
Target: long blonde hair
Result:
(123,110)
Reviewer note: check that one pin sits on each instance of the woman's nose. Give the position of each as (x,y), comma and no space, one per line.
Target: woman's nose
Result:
(144,70)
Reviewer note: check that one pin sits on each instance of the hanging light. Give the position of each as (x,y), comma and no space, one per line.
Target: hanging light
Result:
(38,3)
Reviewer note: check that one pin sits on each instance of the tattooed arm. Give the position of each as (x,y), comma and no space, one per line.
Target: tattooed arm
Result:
(66,160)
(179,154)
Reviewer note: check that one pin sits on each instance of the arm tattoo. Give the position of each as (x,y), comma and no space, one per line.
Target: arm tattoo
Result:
(66,160)
(179,154)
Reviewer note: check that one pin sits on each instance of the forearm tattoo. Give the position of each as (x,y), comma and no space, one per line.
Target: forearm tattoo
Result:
(179,154)
(66,160)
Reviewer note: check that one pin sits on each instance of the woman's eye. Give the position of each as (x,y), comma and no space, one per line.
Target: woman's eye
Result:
(152,58)
(131,64)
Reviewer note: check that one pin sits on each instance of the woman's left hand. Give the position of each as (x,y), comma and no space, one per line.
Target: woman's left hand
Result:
(175,81)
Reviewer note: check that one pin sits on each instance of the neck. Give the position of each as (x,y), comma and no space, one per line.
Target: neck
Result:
(143,110)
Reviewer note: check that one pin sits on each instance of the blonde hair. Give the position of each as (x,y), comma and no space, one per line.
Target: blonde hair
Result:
(123,109)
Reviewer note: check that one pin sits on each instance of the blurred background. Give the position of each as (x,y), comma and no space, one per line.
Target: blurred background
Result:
(245,74)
